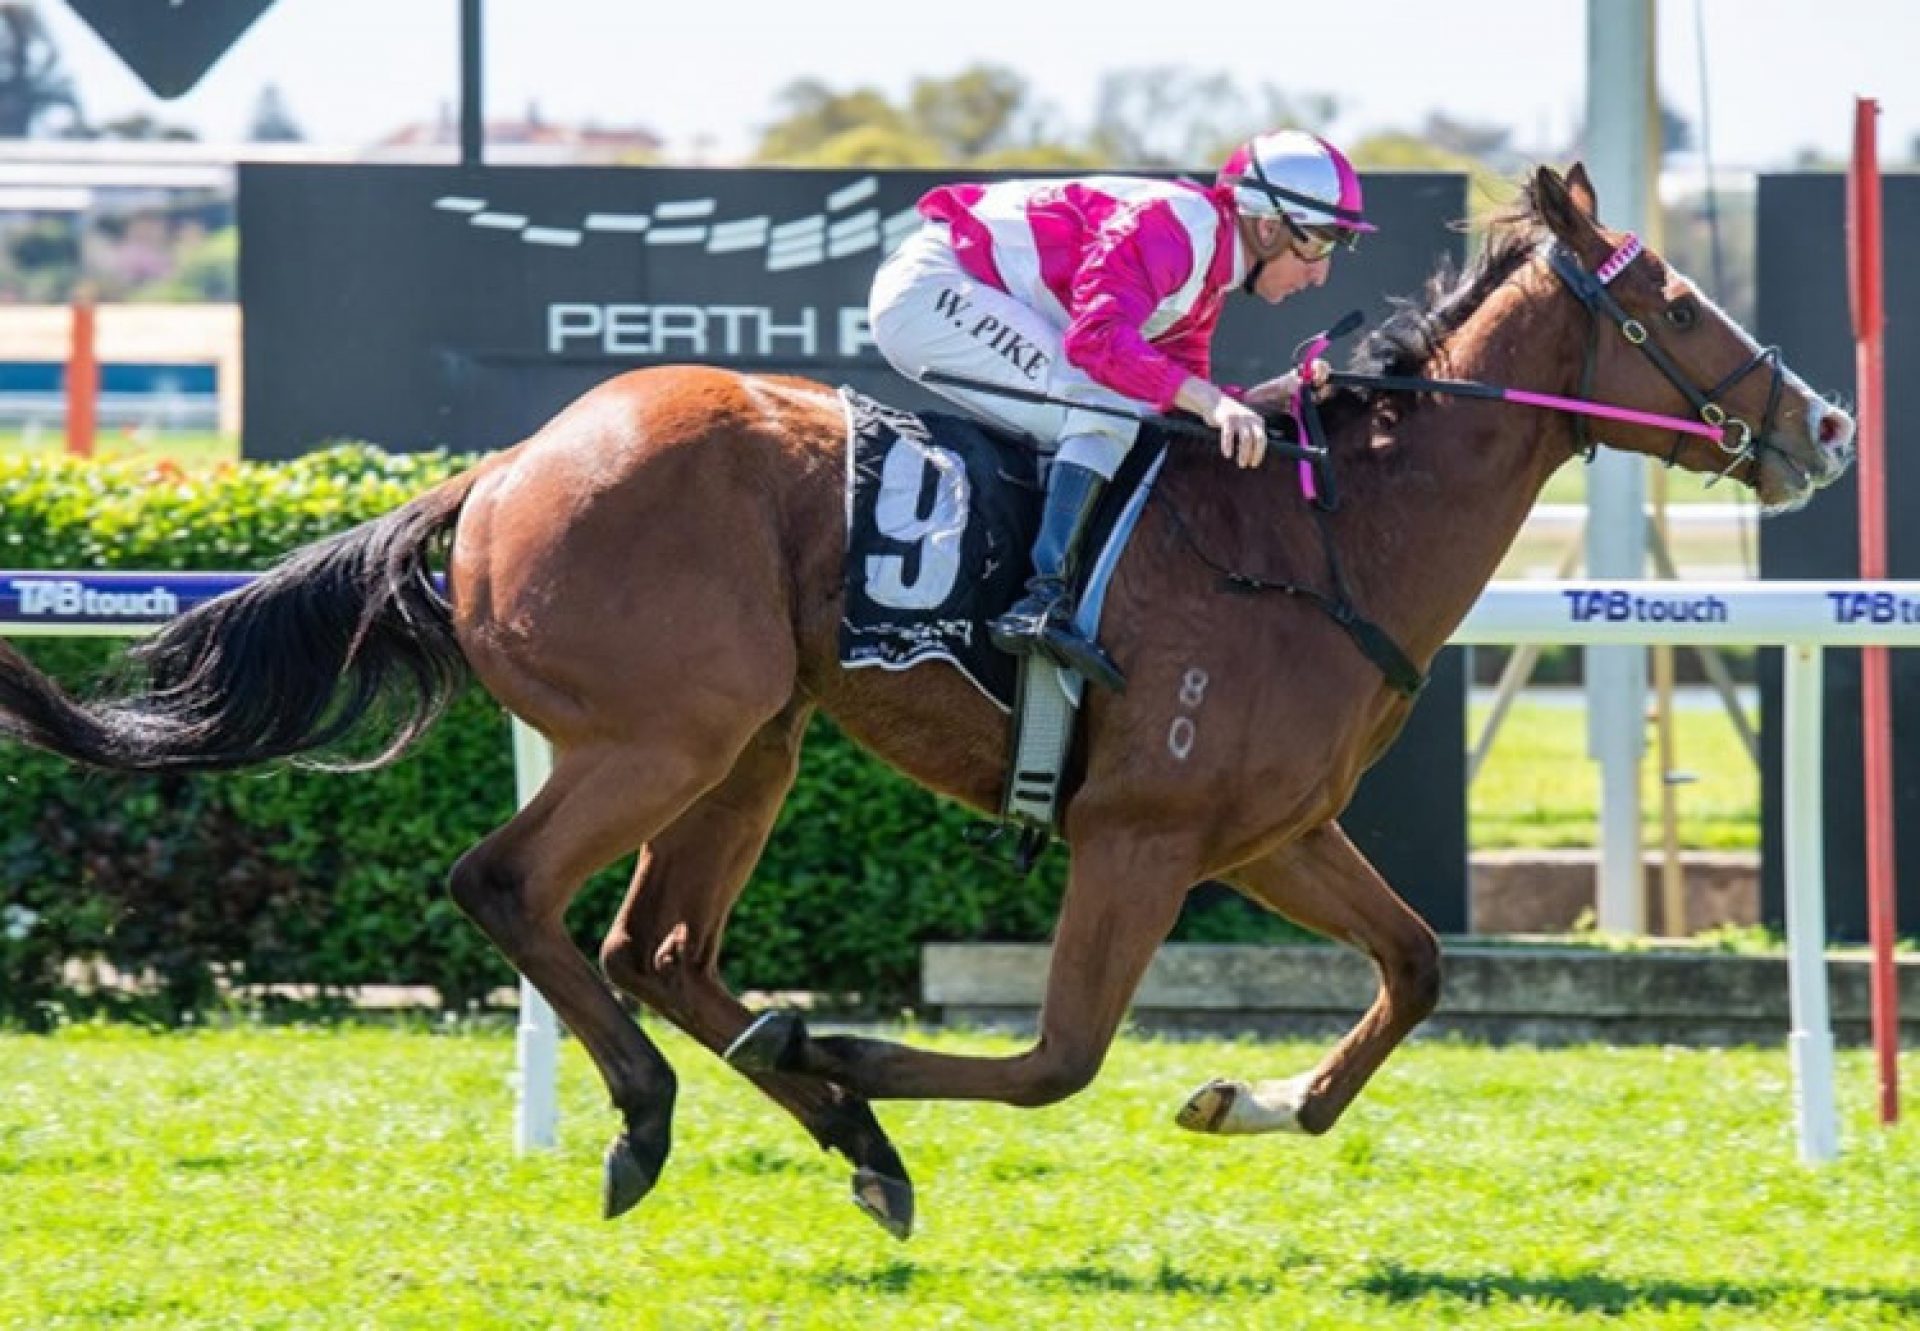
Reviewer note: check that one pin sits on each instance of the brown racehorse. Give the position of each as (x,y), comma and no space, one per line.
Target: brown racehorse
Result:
(653,581)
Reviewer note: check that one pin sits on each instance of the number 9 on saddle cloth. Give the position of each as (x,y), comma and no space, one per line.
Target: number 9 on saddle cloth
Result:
(941,515)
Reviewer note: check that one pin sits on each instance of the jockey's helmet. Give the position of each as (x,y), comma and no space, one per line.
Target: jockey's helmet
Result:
(1302,178)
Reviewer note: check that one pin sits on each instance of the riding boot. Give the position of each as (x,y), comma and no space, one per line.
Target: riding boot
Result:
(1042,620)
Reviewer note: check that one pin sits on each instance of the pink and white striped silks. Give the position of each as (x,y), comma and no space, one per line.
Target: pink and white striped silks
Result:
(1134,271)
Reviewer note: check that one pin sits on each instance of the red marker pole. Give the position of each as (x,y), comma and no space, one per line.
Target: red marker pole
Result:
(1876,721)
(83,378)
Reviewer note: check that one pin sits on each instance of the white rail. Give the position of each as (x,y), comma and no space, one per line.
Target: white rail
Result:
(1755,614)
(1802,617)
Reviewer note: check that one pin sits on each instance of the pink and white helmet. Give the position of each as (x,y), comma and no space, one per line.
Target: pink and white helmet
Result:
(1297,175)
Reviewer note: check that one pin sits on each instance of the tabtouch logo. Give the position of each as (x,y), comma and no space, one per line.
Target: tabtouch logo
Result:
(1590,605)
(1873,608)
(59,598)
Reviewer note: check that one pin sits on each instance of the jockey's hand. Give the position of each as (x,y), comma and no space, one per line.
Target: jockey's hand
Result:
(1276,394)
(1243,431)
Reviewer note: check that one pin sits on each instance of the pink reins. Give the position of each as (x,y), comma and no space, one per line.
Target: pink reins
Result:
(1581,407)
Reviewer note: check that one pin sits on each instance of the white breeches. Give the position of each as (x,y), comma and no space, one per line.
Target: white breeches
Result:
(928,312)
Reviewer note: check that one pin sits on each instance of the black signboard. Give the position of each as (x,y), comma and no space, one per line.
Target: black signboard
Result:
(421,306)
(417,307)
(170,43)
(1803,307)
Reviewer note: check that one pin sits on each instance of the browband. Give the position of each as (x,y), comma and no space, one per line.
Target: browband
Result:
(1617,262)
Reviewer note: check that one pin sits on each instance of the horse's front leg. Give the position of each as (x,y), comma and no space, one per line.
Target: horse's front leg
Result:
(1123,895)
(1324,884)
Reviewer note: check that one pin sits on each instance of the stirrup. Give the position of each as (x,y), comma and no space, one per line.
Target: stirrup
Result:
(1022,627)
(1067,648)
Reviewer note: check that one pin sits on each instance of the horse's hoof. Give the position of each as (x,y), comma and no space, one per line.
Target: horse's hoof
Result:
(628,1178)
(1236,1109)
(1207,1108)
(888,1200)
(771,1044)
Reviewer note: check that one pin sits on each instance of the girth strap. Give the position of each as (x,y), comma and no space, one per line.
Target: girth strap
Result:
(1374,642)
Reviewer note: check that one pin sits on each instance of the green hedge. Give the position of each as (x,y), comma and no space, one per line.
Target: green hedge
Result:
(286,875)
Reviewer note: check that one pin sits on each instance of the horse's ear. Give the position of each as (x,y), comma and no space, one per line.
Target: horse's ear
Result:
(1559,208)
(1581,188)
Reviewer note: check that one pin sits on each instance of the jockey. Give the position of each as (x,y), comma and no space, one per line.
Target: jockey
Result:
(1104,291)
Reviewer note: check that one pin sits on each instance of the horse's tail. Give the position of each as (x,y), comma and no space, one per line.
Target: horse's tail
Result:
(285,665)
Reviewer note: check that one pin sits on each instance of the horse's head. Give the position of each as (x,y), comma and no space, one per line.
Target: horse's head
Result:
(1658,345)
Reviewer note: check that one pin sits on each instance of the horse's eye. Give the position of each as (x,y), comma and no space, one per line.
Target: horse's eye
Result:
(1683,313)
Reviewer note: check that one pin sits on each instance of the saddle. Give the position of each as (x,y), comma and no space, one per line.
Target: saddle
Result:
(941,517)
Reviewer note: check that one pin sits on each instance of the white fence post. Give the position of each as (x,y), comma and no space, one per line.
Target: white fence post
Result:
(536,1116)
(1811,1041)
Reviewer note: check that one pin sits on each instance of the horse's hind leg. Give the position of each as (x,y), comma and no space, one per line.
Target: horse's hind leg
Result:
(1123,895)
(664,949)
(1324,884)
(602,801)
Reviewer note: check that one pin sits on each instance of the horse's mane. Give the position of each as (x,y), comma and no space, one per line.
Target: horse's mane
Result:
(1410,340)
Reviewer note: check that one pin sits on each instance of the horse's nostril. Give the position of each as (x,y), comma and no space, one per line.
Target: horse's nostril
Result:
(1836,429)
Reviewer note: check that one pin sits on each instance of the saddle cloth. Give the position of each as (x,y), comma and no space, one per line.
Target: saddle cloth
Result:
(941,516)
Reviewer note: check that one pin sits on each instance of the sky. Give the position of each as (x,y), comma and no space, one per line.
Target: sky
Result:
(705,75)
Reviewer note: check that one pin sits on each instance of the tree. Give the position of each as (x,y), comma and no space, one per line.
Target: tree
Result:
(1166,117)
(33,87)
(1491,144)
(1395,150)
(815,114)
(1041,155)
(207,270)
(1163,117)
(138,128)
(979,117)
(1676,132)
(1714,242)
(1674,129)
(876,146)
(973,113)
(1280,109)
(40,261)
(272,121)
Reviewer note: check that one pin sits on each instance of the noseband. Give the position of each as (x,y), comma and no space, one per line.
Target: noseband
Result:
(1733,434)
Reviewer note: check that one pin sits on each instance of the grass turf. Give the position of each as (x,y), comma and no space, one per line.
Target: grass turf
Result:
(359,1177)
(188,448)
(1539,789)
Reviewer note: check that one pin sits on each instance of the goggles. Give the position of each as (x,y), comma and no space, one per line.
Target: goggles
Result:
(1314,244)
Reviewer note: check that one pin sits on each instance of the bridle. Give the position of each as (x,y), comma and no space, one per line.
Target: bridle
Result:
(1733,434)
